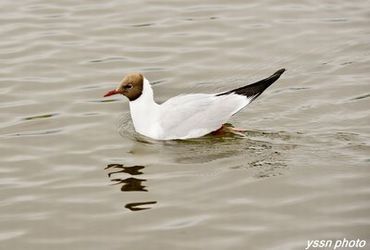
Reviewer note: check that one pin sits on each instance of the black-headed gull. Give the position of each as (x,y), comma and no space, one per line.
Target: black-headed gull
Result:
(185,116)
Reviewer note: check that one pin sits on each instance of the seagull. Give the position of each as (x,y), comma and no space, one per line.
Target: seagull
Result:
(186,116)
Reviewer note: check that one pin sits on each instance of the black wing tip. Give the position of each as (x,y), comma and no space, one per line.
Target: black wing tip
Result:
(255,89)
(279,72)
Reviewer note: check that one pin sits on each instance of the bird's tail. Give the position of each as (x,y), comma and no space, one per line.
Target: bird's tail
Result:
(255,89)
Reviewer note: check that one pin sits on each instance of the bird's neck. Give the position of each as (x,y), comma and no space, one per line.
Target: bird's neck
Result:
(145,111)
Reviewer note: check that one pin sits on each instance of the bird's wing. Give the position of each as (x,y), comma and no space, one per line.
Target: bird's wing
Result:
(195,115)
(254,90)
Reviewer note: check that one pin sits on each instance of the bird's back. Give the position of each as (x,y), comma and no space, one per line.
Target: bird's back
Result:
(195,115)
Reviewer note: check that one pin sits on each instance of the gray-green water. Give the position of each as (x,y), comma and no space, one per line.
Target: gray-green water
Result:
(74,175)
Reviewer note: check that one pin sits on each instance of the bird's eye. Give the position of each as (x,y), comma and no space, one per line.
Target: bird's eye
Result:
(128,86)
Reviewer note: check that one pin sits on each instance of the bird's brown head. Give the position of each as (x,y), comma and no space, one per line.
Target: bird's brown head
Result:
(131,86)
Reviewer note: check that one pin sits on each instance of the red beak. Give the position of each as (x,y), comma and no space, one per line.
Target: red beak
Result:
(112,92)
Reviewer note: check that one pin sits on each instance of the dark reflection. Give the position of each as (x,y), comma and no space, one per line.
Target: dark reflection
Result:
(142,25)
(129,184)
(133,170)
(135,205)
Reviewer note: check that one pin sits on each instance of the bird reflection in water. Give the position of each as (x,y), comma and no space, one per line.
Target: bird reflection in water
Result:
(129,184)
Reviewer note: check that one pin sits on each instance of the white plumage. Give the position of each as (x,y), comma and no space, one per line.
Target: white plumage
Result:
(184,116)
